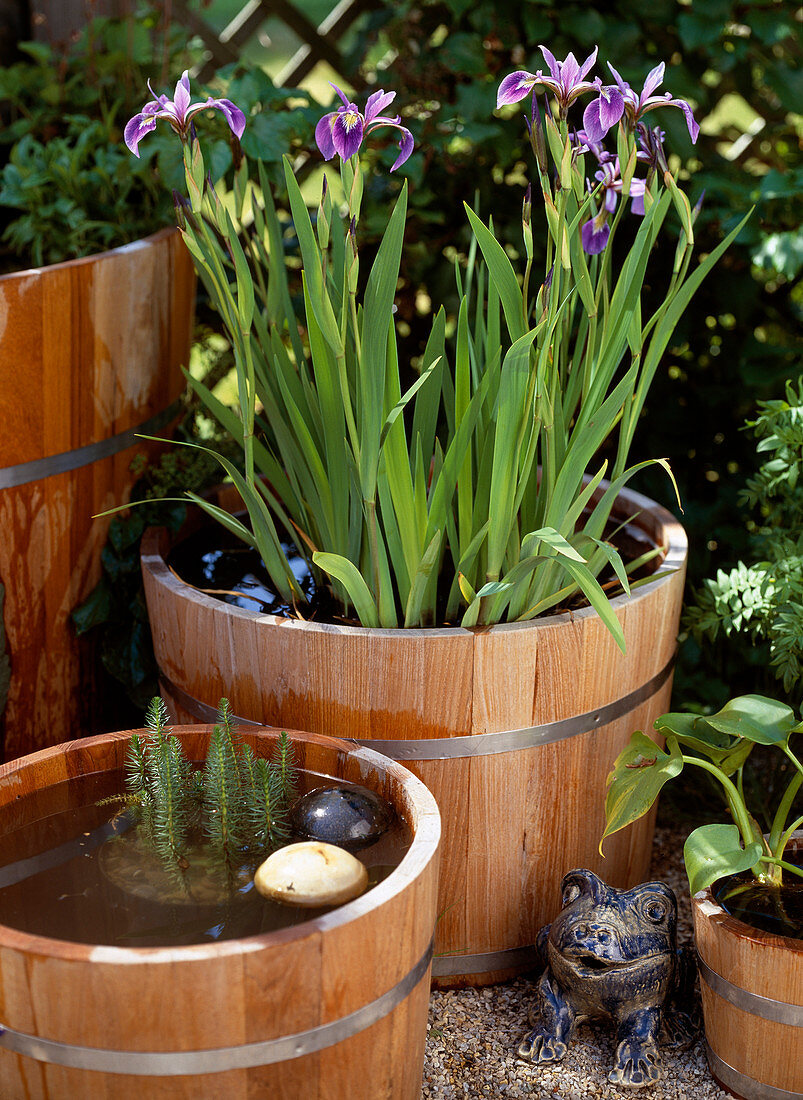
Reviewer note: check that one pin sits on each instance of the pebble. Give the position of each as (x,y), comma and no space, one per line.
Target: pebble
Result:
(310,875)
(489,1024)
(350,816)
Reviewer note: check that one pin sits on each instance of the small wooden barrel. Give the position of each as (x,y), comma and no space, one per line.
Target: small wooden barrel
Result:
(513,728)
(90,354)
(330,1009)
(752,989)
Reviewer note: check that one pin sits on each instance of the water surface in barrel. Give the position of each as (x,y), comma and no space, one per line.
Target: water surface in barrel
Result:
(74,869)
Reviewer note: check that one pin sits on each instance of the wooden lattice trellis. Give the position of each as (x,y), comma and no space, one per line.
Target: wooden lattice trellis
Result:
(56,20)
(321,43)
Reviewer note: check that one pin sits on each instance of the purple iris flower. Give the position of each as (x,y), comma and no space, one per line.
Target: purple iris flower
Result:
(343,131)
(603,112)
(566,80)
(179,113)
(595,232)
(637,105)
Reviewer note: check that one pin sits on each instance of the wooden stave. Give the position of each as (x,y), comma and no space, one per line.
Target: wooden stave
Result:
(50,553)
(762,1052)
(251,641)
(391,1051)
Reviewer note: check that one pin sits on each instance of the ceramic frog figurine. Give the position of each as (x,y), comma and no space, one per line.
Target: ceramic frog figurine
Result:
(613,954)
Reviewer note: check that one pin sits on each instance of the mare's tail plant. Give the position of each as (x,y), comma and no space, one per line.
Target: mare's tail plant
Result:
(284,763)
(237,805)
(223,802)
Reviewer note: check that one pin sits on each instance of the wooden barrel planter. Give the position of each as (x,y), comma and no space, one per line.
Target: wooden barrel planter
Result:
(513,728)
(330,1009)
(751,983)
(90,354)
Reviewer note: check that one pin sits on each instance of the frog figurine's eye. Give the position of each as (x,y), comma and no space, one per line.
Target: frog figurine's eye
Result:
(571,893)
(655,909)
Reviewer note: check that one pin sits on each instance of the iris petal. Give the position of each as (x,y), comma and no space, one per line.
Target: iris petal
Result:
(233,115)
(654,79)
(136,129)
(323,135)
(594,239)
(377,102)
(181,97)
(515,87)
(603,113)
(347,133)
(406,144)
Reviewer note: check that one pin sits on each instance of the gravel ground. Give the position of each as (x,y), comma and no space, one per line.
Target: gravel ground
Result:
(473,1035)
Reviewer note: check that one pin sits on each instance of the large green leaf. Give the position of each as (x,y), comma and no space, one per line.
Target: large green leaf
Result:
(755,718)
(638,775)
(713,852)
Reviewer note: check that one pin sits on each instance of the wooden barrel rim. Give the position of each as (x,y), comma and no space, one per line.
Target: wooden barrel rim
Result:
(155,541)
(426,837)
(715,914)
(94,257)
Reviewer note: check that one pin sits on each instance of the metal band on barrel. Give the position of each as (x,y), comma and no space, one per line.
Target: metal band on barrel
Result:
(519,958)
(176,1063)
(780,1012)
(11,476)
(743,1085)
(476,744)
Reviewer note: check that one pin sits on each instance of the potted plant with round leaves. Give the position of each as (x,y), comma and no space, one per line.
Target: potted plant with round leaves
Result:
(449,517)
(746,885)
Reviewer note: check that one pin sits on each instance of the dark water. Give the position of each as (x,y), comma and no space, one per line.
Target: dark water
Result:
(769,909)
(67,872)
(215,561)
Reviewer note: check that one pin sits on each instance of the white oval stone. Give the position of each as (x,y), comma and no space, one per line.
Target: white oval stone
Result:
(311,874)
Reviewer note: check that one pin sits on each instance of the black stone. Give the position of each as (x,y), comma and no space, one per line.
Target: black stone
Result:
(351,817)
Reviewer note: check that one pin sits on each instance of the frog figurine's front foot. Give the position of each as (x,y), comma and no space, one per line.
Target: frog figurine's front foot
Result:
(548,1042)
(637,1063)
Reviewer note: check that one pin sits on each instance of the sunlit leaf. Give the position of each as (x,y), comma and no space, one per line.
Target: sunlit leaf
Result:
(638,775)
(713,852)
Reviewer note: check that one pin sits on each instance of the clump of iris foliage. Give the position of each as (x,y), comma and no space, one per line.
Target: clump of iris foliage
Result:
(762,599)
(235,807)
(476,495)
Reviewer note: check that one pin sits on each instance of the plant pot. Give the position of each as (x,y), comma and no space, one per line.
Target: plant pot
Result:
(305,1013)
(90,354)
(752,989)
(513,728)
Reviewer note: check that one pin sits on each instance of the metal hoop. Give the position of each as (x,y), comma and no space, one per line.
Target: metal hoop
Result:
(181,1062)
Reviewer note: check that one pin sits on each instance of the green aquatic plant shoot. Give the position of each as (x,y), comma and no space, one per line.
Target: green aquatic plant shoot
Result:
(237,805)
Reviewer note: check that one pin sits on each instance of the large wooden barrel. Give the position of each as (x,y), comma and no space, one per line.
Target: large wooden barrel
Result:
(331,1009)
(514,729)
(90,354)
(752,990)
